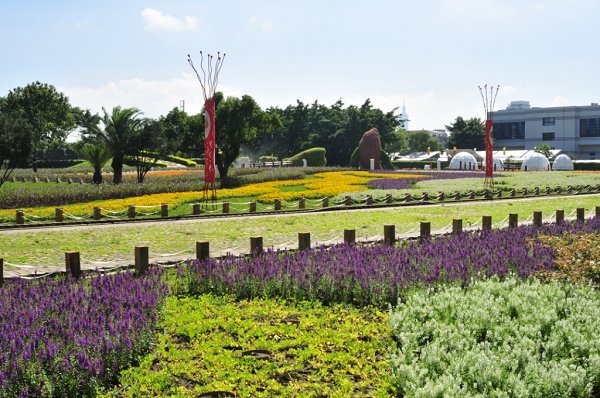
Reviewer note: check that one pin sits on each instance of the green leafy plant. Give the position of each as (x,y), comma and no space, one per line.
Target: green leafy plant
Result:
(509,338)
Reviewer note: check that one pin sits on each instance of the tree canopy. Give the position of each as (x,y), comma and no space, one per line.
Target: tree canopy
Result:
(467,134)
(15,142)
(238,121)
(46,110)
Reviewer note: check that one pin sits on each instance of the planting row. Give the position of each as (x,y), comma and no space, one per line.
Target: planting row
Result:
(377,275)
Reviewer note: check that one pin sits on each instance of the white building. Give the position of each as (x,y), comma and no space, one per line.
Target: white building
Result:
(573,129)
(404,117)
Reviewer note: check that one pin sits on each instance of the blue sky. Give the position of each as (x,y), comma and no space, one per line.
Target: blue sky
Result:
(430,54)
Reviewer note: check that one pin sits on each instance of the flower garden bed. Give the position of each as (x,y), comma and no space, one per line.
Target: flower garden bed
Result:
(311,323)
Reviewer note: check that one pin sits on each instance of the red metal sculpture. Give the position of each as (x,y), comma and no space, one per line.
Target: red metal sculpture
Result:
(488,98)
(209,81)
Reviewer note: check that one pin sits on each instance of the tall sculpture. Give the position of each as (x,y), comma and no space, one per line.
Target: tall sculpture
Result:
(488,97)
(209,81)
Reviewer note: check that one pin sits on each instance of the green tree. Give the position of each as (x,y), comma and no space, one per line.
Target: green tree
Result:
(182,130)
(466,134)
(15,142)
(544,149)
(116,131)
(147,145)
(238,121)
(97,154)
(420,141)
(398,141)
(46,110)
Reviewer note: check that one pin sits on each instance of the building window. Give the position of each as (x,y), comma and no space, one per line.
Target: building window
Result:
(509,131)
(547,136)
(589,127)
(548,121)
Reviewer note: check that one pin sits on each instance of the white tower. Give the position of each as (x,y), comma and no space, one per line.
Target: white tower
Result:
(404,117)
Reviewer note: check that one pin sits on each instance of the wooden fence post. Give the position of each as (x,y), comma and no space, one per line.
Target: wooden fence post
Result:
(303,240)
(141,259)
(350,236)
(325,202)
(580,214)
(513,220)
(252,207)
(20,217)
(225,207)
(202,250)
(59,215)
(389,199)
(537,218)
(457,225)
(486,223)
(97,213)
(348,201)
(425,230)
(277,205)
(196,209)
(1,272)
(560,216)
(131,212)
(73,264)
(597,211)
(389,234)
(302,203)
(369,200)
(164,210)
(256,245)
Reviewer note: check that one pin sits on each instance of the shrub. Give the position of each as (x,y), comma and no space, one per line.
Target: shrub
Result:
(510,338)
(315,157)
(182,161)
(268,158)
(58,164)
(369,148)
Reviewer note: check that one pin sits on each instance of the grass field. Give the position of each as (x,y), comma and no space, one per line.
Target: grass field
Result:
(47,246)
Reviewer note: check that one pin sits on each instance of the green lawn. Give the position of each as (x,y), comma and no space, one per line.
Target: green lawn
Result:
(47,246)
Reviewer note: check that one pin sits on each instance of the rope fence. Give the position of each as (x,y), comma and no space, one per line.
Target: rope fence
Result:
(142,259)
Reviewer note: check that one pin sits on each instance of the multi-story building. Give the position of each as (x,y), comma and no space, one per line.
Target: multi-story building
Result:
(573,129)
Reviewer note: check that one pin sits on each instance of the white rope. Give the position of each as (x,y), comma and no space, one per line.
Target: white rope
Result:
(326,242)
(113,213)
(411,231)
(189,249)
(74,217)
(44,275)
(285,245)
(147,207)
(152,213)
(447,228)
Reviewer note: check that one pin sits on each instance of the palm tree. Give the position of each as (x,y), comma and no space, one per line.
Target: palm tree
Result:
(116,131)
(97,155)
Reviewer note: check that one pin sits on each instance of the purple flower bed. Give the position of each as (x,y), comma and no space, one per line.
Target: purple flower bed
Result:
(64,338)
(404,183)
(376,275)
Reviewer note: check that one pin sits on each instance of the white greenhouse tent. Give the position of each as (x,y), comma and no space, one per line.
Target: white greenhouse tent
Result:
(562,162)
(535,162)
(463,161)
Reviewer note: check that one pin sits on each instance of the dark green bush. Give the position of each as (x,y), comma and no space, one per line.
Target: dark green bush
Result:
(58,164)
(315,157)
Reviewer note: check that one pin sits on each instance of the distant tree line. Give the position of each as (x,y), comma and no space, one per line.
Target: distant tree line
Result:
(37,119)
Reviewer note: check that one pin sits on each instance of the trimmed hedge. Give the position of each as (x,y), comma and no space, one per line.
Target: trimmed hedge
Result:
(129,161)
(58,164)
(315,157)
(182,161)
(586,166)
(268,158)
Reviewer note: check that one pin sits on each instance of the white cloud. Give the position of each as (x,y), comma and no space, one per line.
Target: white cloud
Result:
(261,23)
(156,20)
(153,97)
(559,101)
(479,12)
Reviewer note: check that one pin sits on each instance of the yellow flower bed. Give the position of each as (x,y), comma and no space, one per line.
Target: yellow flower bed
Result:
(323,184)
